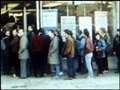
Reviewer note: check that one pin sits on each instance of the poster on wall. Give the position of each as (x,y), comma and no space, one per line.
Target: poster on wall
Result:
(84,2)
(68,22)
(85,22)
(101,20)
(49,19)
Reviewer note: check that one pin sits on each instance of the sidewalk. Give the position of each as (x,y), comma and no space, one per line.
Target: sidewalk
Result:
(108,81)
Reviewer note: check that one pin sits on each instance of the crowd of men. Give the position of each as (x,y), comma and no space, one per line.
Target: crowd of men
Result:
(35,53)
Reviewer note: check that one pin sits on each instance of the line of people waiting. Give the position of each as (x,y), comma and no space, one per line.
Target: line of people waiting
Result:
(33,53)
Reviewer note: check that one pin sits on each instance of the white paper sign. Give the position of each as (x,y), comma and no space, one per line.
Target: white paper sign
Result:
(49,18)
(66,2)
(68,22)
(83,2)
(101,20)
(85,22)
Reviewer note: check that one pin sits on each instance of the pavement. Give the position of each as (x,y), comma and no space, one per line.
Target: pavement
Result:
(109,80)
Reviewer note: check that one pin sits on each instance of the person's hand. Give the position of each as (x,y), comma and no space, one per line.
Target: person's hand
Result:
(97,49)
(114,53)
(64,58)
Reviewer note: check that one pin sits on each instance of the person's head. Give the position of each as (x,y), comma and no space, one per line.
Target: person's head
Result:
(67,33)
(11,19)
(98,36)
(20,32)
(79,32)
(86,32)
(36,31)
(41,30)
(51,33)
(7,33)
(102,32)
(56,32)
(14,32)
(118,32)
(30,28)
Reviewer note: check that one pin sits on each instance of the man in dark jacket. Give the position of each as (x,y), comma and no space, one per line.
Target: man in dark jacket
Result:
(6,41)
(38,50)
(116,47)
(80,46)
(30,34)
(14,44)
(100,48)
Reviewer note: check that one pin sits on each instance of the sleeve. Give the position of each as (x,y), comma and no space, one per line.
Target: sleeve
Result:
(104,46)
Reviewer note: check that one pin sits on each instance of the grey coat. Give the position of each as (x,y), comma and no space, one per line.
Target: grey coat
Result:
(23,50)
(53,55)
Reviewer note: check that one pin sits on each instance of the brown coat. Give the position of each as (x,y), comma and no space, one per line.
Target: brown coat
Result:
(69,48)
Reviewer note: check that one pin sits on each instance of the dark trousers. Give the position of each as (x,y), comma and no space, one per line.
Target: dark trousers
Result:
(118,63)
(42,64)
(81,64)
(39,64)
(31,64)
(71,67)
(61,63)
(100,64)
(35,63)
(105,62)
(5,62)
(15,64)
(28,67)
(2,60)
(46,65)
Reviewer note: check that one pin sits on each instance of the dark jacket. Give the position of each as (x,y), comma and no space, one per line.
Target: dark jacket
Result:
(6,41)
(100,44)
(80,45)
(37,43)
(116,45)
(15,44)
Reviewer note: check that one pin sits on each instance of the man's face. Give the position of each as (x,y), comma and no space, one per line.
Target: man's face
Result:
(20,33)
(64,36)
(101,33)
(51,34)
(7,33)
(14,32)
(98,37)
(30,28)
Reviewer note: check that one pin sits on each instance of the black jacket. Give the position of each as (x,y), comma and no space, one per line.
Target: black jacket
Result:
(116,45)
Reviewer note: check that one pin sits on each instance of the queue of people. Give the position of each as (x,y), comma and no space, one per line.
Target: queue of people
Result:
(34,53)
